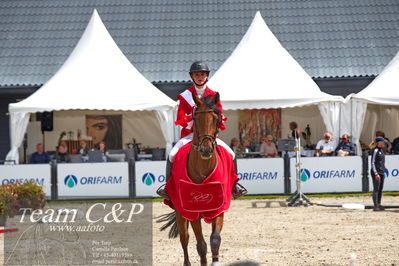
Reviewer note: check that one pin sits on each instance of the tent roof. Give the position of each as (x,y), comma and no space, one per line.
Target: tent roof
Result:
(385,88)
(96,76)
(260,73)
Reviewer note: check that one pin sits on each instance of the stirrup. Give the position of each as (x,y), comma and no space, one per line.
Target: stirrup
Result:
(162,192)
(239,190)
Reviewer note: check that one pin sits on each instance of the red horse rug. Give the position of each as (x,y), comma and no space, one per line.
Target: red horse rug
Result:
(207,199)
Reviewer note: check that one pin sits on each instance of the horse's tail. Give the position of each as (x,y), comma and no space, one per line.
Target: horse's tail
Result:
(170,220)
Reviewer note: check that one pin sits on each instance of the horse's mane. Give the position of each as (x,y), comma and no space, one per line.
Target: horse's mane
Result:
(210,102)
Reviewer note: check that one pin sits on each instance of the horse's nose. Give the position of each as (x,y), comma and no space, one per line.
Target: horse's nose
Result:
(206,151)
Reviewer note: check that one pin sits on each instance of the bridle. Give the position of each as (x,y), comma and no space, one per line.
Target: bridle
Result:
(202,137)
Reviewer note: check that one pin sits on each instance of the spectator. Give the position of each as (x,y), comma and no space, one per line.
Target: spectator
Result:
(268,148)
(244,149)
(83,150)
(395,146)
(345,147)
(296,134)
(294,130)
(63,142)
(326,146)
(104,150)
(387,146)
(235,144)
(39,156)
(62,155)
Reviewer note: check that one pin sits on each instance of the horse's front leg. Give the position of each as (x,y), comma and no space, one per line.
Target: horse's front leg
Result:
(201,244)
(182,225)
(217,225)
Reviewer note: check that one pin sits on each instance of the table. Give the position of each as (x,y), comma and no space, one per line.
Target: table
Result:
(304,153)
(144,156)
(250,154)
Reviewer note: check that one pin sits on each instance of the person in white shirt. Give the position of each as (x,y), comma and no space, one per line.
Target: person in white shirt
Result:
(268,148)
(326,146)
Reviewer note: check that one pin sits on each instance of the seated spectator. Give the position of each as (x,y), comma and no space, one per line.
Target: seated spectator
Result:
(103,148)
(235,144)
(62,155)
(345,147)
(63,142)
(39,156)
(326,146)
(244,148)
(268,148)
(83,149)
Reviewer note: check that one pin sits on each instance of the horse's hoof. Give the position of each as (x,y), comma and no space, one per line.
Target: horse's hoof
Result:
(216,263)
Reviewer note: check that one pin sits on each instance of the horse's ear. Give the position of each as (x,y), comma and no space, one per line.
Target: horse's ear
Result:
(216,98)
(197,100)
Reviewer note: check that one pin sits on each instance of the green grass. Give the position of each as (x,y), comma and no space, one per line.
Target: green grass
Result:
(325,195)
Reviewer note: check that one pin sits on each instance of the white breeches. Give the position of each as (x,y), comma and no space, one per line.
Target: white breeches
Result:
(183,141)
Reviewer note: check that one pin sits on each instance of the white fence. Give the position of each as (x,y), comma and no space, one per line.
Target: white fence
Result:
(93,180)
(391,182)
(259,176)
(328,174)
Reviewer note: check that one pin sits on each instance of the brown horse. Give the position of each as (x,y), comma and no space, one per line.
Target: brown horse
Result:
(201,162)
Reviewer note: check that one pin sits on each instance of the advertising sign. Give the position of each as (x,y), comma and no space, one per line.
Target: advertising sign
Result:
(150,175)
(328,174)
(391,182)
(37,173)
(93,180)
(261,175)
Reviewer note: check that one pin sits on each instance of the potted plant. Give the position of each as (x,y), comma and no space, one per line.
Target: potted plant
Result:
(16,196)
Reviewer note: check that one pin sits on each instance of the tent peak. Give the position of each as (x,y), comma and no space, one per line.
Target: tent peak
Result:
(260,73)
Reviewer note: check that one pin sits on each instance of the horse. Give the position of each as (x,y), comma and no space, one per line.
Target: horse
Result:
(201,162)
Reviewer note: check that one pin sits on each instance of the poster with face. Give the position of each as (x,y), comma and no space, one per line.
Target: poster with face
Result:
(106,128)
(257,123)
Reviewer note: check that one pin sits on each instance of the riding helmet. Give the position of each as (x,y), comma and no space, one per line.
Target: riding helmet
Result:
(199,66)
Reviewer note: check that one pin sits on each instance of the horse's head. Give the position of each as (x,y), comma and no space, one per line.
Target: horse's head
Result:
(206,119)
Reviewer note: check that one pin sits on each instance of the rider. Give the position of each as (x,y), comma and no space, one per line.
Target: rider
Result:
(199,73)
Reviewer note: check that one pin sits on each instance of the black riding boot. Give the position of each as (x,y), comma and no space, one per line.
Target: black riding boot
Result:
(380,192)
(377,193)
(375,201)
(161,190)
(238,189)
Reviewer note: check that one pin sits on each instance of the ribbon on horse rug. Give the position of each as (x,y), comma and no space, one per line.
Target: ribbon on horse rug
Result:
(207,199)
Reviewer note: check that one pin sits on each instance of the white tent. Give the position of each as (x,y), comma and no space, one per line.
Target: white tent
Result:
(96,76)
(260,73)
(383,91)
